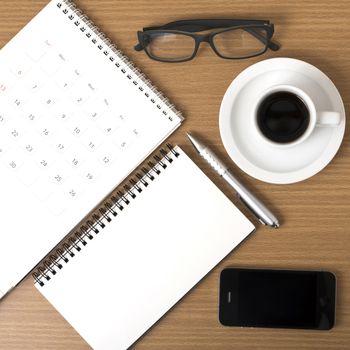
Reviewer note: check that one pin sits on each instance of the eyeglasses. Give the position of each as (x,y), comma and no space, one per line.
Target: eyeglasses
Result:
(236,39)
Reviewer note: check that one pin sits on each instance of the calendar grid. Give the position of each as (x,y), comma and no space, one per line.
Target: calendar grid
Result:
(92,32)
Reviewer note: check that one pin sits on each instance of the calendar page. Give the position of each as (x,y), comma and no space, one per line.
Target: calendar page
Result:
(75,119)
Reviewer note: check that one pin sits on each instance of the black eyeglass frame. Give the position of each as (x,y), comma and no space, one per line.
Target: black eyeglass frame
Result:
(187,27)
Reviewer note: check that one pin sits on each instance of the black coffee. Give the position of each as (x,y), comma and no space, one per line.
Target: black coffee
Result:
(283,117)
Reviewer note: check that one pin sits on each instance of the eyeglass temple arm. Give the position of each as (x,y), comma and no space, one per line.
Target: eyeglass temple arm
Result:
(199,25)
(187,24)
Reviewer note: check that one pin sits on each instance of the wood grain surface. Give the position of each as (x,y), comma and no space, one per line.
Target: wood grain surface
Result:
(315,213)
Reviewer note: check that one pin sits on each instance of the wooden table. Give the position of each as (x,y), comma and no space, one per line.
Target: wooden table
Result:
(315,213)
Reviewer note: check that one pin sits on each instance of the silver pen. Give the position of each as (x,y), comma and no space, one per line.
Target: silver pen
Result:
(255,205)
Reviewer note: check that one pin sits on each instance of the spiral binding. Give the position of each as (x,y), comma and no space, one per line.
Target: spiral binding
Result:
(117,57)
(105,214)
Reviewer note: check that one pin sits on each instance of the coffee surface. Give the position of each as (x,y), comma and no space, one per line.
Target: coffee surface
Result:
(283,117)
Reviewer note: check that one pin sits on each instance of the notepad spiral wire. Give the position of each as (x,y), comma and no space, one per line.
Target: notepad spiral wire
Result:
(76,241)
(117,57)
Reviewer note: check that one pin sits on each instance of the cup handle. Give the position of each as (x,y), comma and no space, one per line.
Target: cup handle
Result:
(328,118)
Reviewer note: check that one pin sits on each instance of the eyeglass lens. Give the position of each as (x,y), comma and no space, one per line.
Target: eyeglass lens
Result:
(170,46)
(241,42)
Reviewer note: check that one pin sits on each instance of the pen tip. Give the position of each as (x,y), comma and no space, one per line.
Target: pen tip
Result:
(196,144)
(190,137)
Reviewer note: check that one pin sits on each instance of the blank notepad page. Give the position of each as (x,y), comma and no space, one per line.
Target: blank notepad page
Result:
(76,117)
(147,258)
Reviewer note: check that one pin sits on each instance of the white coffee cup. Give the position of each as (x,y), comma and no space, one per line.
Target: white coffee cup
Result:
(317,118)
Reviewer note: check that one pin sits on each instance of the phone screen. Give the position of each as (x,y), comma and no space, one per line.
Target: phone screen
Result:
(277,298)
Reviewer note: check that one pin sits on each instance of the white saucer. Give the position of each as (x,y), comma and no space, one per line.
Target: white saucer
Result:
(257,157)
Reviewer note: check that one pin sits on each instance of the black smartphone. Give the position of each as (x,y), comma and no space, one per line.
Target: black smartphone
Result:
(277,298)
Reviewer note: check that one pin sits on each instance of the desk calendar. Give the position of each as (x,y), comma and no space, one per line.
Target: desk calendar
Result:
(76,117)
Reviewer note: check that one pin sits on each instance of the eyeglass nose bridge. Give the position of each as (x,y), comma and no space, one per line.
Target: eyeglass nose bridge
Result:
(202,38)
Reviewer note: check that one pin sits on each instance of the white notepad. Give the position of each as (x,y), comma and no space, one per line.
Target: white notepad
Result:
(126,276)
(76,117)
